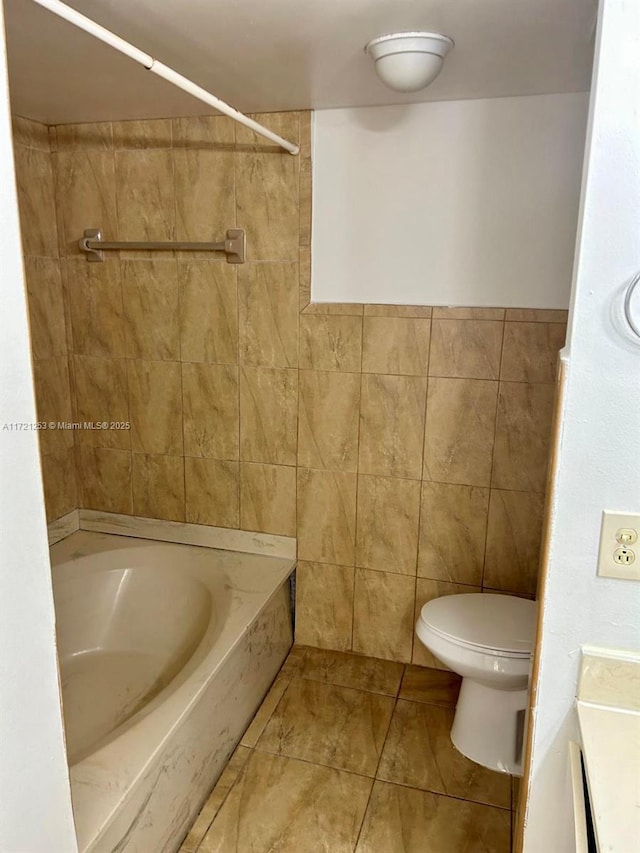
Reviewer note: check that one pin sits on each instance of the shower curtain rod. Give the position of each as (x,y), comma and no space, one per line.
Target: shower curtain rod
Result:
(162,70)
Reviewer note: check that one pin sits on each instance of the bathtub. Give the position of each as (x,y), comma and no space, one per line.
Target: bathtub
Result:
(166,652)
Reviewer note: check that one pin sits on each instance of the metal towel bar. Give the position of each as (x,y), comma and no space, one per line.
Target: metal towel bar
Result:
(234,246)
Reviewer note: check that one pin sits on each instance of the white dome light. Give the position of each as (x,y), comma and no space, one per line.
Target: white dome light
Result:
(408,62)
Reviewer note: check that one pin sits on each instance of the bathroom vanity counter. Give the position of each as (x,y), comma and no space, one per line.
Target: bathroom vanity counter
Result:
(609,720)
(611,750)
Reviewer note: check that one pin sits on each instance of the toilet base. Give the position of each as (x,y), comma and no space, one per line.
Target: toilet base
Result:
(485,728)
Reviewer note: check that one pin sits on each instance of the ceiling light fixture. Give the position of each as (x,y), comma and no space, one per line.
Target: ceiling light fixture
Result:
(408,62)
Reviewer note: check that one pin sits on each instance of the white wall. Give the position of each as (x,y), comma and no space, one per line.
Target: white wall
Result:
(599,455)
(448,203)
(35,797)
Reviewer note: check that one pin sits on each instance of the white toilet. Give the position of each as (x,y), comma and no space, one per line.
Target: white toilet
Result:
(488,640)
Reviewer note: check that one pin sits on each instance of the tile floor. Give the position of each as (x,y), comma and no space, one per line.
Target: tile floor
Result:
(349,754)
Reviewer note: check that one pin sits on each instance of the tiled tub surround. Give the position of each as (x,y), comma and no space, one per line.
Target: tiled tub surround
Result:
(348,753)
(405,447)
(141,772)
(50,343)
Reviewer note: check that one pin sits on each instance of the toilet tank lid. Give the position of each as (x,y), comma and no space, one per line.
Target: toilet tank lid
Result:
(501,622)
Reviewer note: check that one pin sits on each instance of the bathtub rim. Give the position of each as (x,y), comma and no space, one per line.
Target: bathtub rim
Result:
(176,532)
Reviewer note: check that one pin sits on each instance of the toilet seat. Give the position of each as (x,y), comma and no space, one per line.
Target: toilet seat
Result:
(502,625)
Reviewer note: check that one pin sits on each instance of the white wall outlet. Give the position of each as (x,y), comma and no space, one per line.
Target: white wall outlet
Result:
(619,554)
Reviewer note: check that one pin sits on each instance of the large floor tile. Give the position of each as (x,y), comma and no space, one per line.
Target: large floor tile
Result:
(215,800)
(418,752)
(347,670)
(325,724)
(289,806)
(403,820)
(431,686)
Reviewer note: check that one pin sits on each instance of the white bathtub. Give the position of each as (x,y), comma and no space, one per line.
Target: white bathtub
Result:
(165,651)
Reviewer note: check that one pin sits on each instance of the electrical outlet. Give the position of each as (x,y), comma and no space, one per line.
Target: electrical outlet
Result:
(619,554)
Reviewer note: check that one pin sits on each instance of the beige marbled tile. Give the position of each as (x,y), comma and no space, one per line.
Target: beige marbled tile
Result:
(46,307)
(455,313)
(60,483)
(150,301)
(348,670)
(404,820)
(336,726)
(523,435)
(409,311)
(460,431)
(466,349)
(515,791)
(265,711)
(390,546)
(216,800)
(530,351)
(85,196)
(147,133)
(395,345)
(305,132)
(37,202)
(29,133)
(385,599)
(267,185)
(88,135)
(268,498)
(335,309)
(155,407)
(293,660)
(305,195)
(326,516)
(94,293)
(426,589)
(418,752)
(208,311)
(328,412)
(101,395)
(324,605)
(303,808)
(205,195)
(513,541)
(392,417)
(212,490)
(268,312)
(104,477)
(145,193)
(431,686)
(330,342)
(211,410)
(304,288)
(453,526)
(53,402)
(209,133)
(286,123)
(268,415)
(537,315)
(158,486)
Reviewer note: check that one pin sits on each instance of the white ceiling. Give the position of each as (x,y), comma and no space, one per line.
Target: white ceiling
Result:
(268,55)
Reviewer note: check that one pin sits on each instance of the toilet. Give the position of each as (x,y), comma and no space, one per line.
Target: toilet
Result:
(488,640)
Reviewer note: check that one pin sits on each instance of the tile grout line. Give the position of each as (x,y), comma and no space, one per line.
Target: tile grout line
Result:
(375,775)
(422,482)
(493,456)
(224,799)
(355,530)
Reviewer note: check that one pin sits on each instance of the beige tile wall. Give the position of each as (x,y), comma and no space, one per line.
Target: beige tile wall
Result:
(405,447)
(48,325)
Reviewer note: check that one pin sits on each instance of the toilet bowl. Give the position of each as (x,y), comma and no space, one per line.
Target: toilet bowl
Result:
(488,640)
